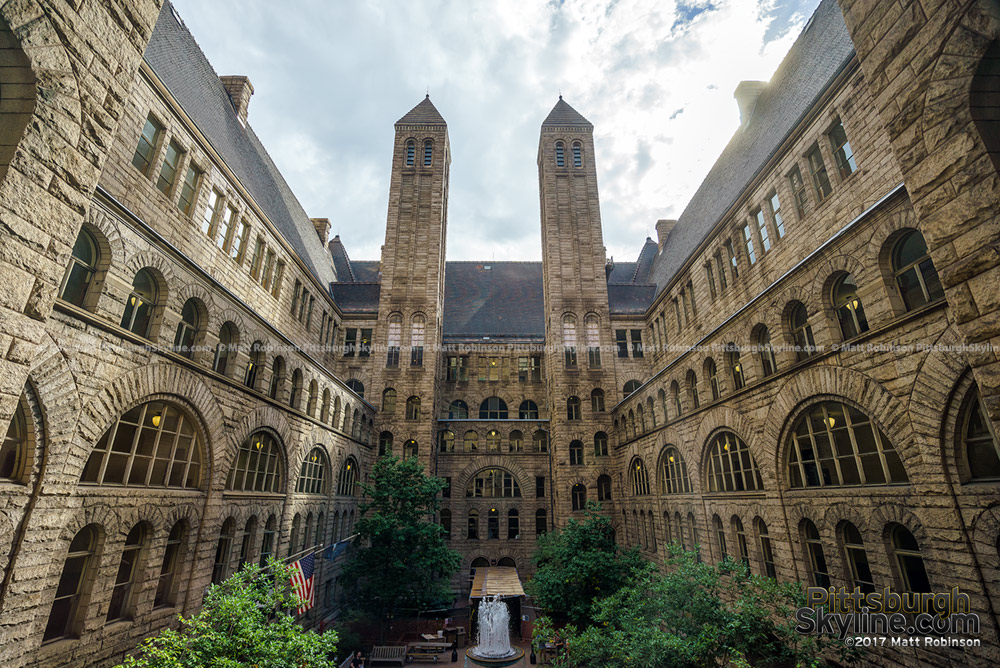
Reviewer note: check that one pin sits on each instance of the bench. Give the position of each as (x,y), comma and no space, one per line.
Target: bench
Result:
(387,654)
(425,651)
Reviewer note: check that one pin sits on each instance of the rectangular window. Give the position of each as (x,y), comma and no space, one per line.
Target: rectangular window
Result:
(224,237)
(765,240)
(817,168)
(146,150)
(536,368)
(779,222)
(621,340)
(593,334)
(748,240)
(417,343)
(279,273)
(842,151)
(721,266)
(731,254)
(211,212)
(709,274)
(539,487)
(493,366)
(446,490)
(303,303)
(239,248)
(458,368)
(168,170)
(309,311)
(350,342)
(636,342)
(265,278)
(686,309)
(258,258)
(690,291)
(798,190)
(365,347)
(189,190)
(677,312)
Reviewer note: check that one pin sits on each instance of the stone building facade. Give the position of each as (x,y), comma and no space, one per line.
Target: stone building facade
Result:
(792,374)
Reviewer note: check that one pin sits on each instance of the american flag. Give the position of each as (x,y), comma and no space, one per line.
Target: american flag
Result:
(302,581)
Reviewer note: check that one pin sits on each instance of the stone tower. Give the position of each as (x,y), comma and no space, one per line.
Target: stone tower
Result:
(576,301)
(412,291)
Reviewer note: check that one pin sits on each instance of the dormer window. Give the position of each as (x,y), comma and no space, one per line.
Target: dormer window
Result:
(560,154)
(428,152)
(411,150)
(577,154)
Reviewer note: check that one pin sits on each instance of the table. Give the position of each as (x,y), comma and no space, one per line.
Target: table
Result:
(425,651)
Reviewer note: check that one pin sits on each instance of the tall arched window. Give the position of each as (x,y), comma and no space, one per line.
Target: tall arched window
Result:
(324,411)
(835,444)
(601,444)
(66,615)
(173,557)
(979,445)
(493,484)
(428,152)
(473,525)
(277,377)
(560,154)
(801,331)
(603,488)
(820,574)
(541,522)
(675,394)
(673,473)
(356,386)
(313,398)
(578,496)
(513,524)
(914,271)
(692,389)
(492,441)
(458,410)
(712,373)
(140,304)
(528,410)
(638,477)
(764,544)
(417,340)
(385,443)
(14,450)
(121,593)
(735,366)
(768,365)
(573,408)
(257,467)
(151,445)
(597,400)
(254,364)
(81,270)
(394,338)
(223,551)
(493,408)
(446,523)
(187,329)
(335,421)
(515,442)
(592,330)
(909,561)
(569,340)
(662,398)
(294,536)
(470,441)
(731,467)
(540,440)
(847,304)
(312,475)
(267,543)
(389,401)
(346,485)
(410,448)
(411,150)
(446,441)
(577,154)
(295,398)
(226,348)
(860,572)
(413,408)
(720,537)
(630,387)
(576,453)
(651,411)
(741,540)
(493,524)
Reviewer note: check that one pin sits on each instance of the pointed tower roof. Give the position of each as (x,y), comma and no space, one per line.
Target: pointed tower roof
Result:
(424,113)
(563,115)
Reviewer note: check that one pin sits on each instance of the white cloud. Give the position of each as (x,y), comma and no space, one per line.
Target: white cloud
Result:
(655,77)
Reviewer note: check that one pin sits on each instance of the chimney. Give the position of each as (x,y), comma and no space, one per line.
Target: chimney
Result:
(240,89)
(663,227)
(322,226)
(746,96)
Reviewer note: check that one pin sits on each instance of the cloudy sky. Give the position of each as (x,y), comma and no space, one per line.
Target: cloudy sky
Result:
(655,77)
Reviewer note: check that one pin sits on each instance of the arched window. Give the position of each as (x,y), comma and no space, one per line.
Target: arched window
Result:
(731,467)
(576,453)
(692,389)
(541,522)
(592,330)
(597,400)
(246,545)
(695,543)
(735,366)
(642,418)
(741,540)
(307,537)
(492,441)
(312,475)
(413,408)
(446,441)
(470,442)
(493,408)
(224,351)
(712,373)
(569,340)
(541,441)
(909,561)
(577,154)
(385,443)
(428,152)
(675,394)
(446,523)
(835,444)
(764,544)
(673,472)
(257,467)
(410,448)
(579,496)
(320,536)
(389,400)
(173,557)
(295,398)
(81,270)
(394,338)
(140,303)
(515,442)
(528,410)
(411,150)
(978,443)
(493,484)
(630,387)
(573,408)
(187,329)
(560,154)
(417,327)
(254,364)
(277,377)
(513,524)
(473,525)
(356,386)
(458,410)
(121,593)
(267,544)
(603,488)
(801,331)
(14,450)
(720,537)
(600,444)
(638,478)
(679,526)
(493,524)
(313,398)
(223,551)
(860,572)
(768,365)
(335,421)
(66,615)
(151,445)
(324,411)
(819,573)
(293,539)
(914,271)
(346,485)
(651,411)
(847,304)
(662,397)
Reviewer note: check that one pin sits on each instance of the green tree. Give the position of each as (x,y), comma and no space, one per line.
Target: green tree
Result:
(243,623)
(579,565)
(400,561)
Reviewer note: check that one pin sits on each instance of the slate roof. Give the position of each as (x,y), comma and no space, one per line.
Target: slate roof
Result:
(816,57)
(181,65)
(424,113)
(563,115)
(496,299)
(356,297)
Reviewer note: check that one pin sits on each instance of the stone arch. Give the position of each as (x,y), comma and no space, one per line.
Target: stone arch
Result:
(195,291)
(714,420)
(266,418)
(836,383)
(492,461)
(161,267)
(108,226)
(55,389)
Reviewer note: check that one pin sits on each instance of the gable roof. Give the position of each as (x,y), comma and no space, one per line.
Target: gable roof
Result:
(818,55)
(181,65)
(563,115)
(425,113)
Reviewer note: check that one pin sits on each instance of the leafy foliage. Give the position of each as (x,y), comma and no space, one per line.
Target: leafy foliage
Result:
(401,561)
(580,565)
(243,623)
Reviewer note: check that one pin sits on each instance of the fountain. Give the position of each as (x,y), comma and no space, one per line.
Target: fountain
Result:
(493,650)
